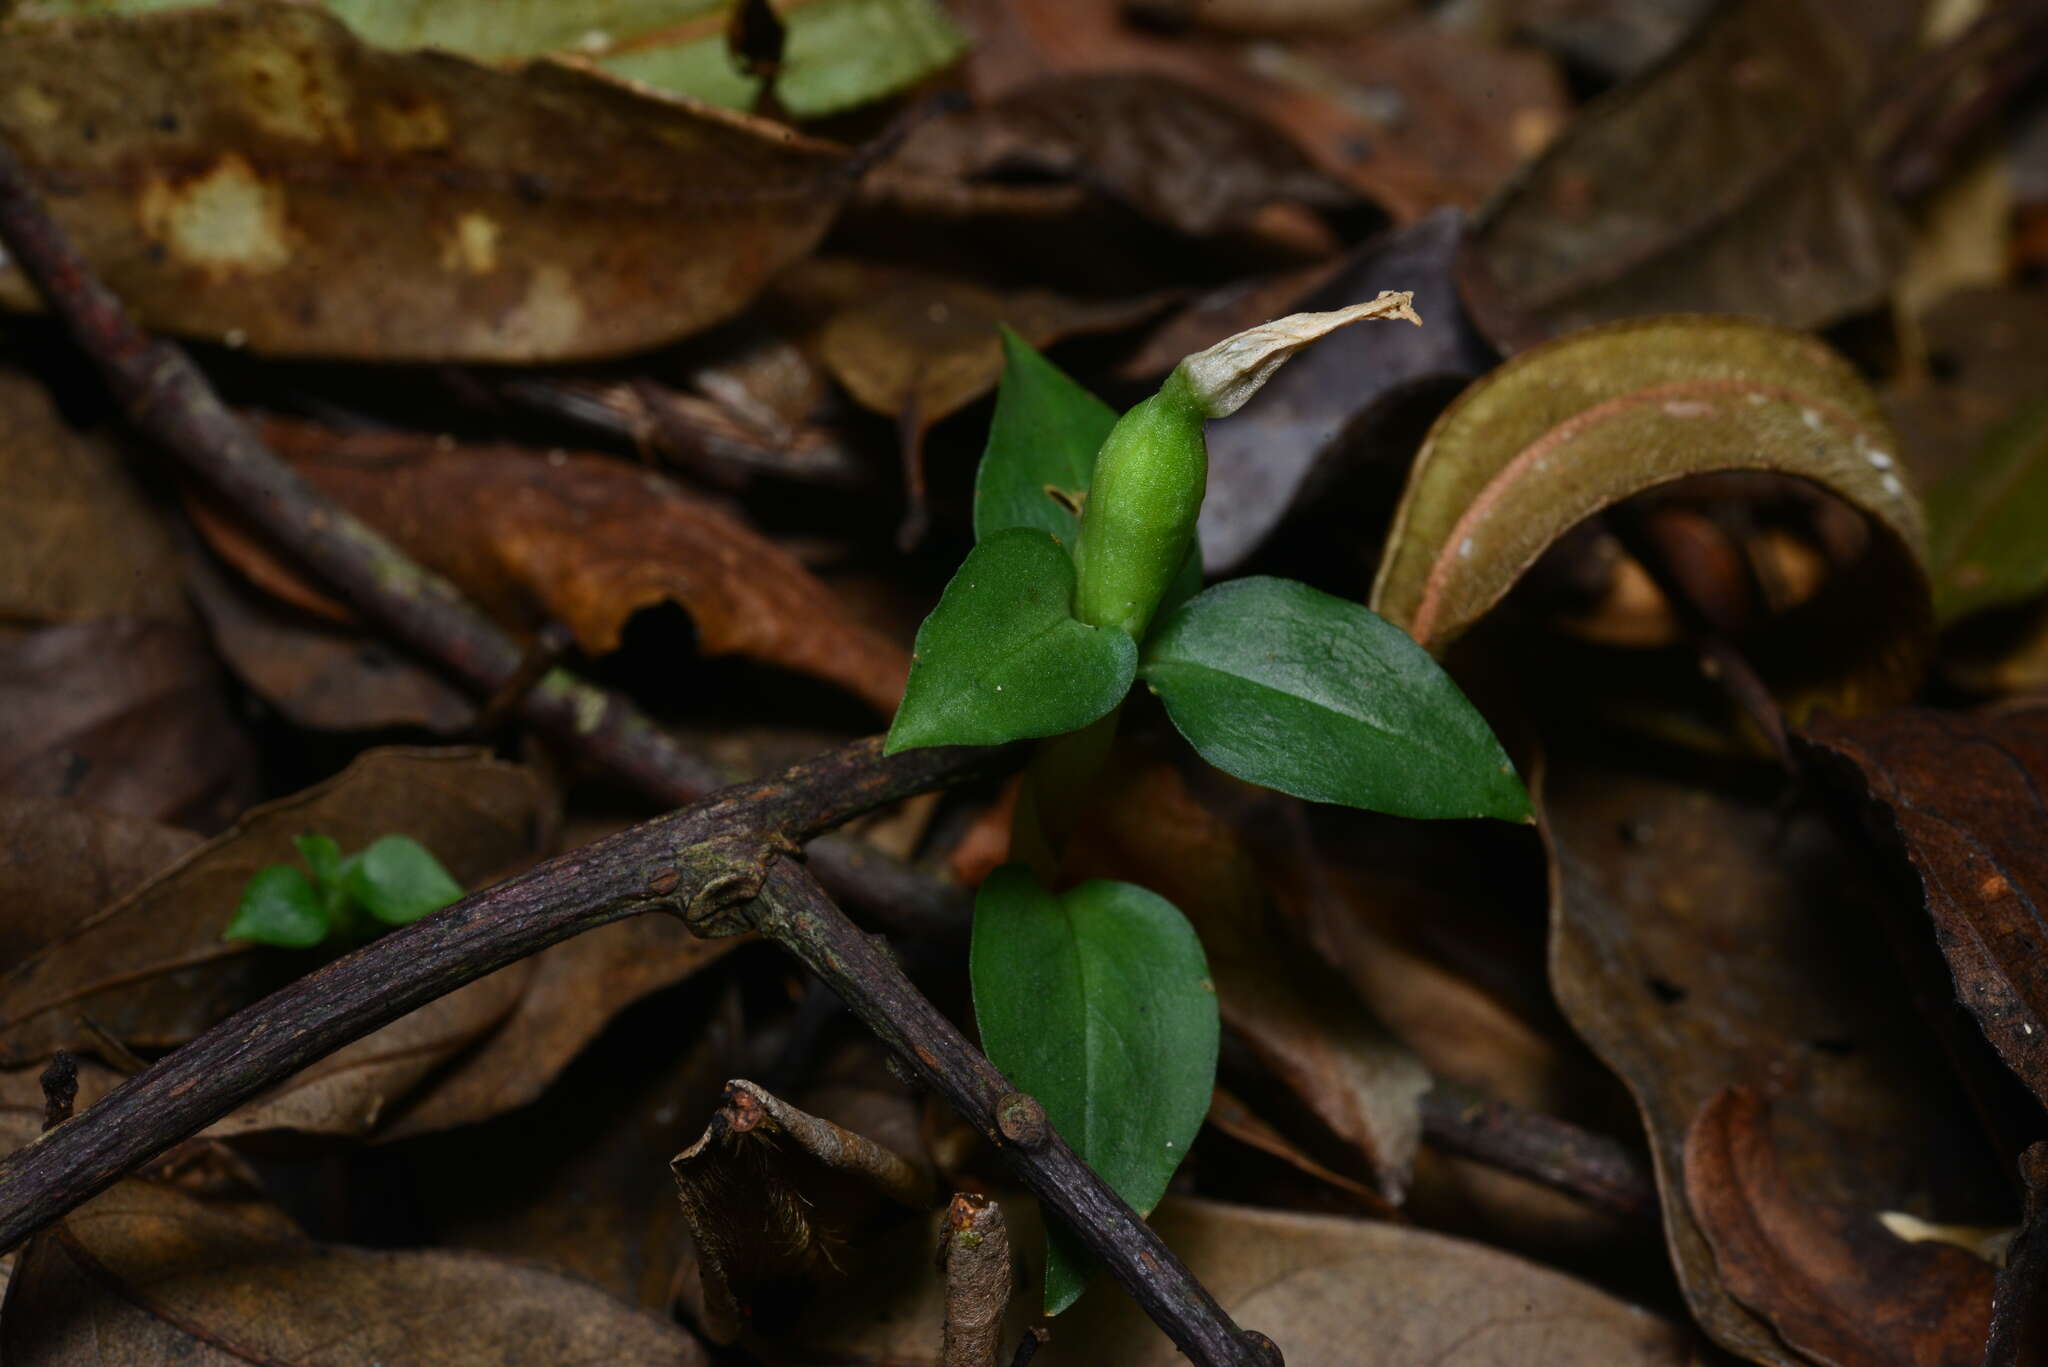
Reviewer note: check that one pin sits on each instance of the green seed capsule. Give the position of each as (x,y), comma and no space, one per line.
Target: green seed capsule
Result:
(1140,516)
(1153,468)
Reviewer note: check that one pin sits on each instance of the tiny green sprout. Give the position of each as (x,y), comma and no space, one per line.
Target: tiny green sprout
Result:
(1085,579)
(393,881)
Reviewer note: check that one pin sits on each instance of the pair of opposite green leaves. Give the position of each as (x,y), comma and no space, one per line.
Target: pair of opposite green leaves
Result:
(393,881)
(1097,1000)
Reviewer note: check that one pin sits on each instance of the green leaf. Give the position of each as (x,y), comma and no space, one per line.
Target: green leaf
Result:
(397,881)
(1287,687)
(1098,1002)
(1985,521)
(323,856)
(1044,435)
(1001,658)
(279,907)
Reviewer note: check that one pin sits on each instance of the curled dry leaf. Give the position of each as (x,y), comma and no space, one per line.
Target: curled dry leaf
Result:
(254,172)
(1834,1283)
(2019,1319)
(1298,432)
(1564,431)
(1961,799)
(151,971)
(1701,940)
(62,861)
(1299,1019)
(127,715)
(77,539)
(1725,178)
(585,540)
(773,1195)
(148,1274)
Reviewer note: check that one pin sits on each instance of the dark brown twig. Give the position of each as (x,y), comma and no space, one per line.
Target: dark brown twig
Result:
(168,399)
(1544,1149)
(974,1254)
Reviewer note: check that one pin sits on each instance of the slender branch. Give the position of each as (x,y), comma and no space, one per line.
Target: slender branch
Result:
(694,862)
(170,400)
(1542,1148)
(795,912)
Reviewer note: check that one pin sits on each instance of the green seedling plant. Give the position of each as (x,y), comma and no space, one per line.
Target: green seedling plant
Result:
(1085,578)
(393,881)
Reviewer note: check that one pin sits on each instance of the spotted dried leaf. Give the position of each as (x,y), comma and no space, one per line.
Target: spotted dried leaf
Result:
(253,172)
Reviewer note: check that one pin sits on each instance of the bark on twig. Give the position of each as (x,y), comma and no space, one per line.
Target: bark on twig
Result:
(976,1259)
(1542,1148)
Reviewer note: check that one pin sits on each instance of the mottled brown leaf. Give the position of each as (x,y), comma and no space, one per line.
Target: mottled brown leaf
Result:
(1962,799)
(1726,178)
(151,969)
(61,862)
(255,173)
(1702,939)
(126,715)
(588,541)
(150,1274)
(1299,1019)
(77,539)
(1835,1283)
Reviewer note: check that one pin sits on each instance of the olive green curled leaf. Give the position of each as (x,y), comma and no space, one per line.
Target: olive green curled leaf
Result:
(1285,686)
(1988,522)
(1570,428)
(279,907)
(1041,448)
(1098,1002)
(1001,658)
(397,881)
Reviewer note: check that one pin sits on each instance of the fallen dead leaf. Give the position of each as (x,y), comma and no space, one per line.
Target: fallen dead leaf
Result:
(126,715)
(151,970)
(1835,1283)
(149,1274)
(78,540)
(253,173)
(1644,206)
(585,540)
(61,862)
(1960,799)
(1702,939)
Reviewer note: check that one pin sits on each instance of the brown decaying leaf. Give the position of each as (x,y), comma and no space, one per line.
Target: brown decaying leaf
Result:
(588,541)
(151,969)
(1298,1018)
(77,539)
(773,1195)
(1330,1292)
(61,861)
(1564,431)
(252,172)
(150,1274)
(318,674)
(1726,178)
(1408,115)
(573,992)
(1702,940)
(2019,1318)
(1835,1283)
(1962,799)
(127,715)
(1167,148)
